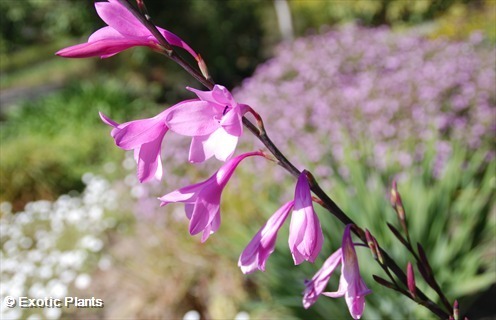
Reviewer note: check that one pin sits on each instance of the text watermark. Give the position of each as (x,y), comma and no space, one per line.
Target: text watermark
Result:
(49,302)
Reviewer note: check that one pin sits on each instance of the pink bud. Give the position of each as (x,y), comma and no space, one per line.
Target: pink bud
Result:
(456,311)
(396,202)
(410,276)
(371,243)
(203,67)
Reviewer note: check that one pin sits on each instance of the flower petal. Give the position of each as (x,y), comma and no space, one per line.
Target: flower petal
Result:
(106,33)
(150,161)
(185,194)
(107,120)
(219,95)
(218,143)
(212,227)
(316,286)
(178,42)
(101,48)
(221,144)
(203,213)
(198,151)
(232,122)
(119,18)
(132,134)
(262,245)
(297,229)
(193,118)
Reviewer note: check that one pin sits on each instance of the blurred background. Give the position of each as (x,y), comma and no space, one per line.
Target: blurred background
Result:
(370,90)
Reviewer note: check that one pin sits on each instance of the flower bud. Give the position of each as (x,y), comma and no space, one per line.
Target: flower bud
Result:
(456,311)
(396,202)
(410,276)
(371,243)
(378,251)
(203,67)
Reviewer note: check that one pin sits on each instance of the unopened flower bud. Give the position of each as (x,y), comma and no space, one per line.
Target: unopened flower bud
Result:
(203,67)
(371,243)
(396,202)
(456,311)
(142,8)
(378,251)
(410,277)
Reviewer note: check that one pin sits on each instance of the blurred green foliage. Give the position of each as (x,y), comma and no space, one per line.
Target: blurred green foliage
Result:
(30,22)
(455,19)
(47,144)
(228,34)
(459,21)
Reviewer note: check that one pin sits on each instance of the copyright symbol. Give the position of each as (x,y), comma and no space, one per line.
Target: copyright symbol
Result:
(9,301)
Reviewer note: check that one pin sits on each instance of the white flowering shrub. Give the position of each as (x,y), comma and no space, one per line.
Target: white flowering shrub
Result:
(47,248)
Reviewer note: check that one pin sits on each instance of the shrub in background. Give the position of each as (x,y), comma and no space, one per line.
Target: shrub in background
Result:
(312,14)
(50,248)
(48,144)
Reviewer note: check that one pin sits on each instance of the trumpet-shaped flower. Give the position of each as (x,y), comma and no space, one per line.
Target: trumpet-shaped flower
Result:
(145,137)
(202,200)
(216,129)
(351,284)
(305,233)
(124,31)
(262,245)
(212,127)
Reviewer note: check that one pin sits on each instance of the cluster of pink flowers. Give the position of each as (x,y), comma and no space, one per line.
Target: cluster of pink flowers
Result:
(214,122)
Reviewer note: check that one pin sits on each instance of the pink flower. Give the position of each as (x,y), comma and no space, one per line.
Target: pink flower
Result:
(202,200)
(351,284)
(305,233)
(213,127)
(123,32)
(262,245)
(216,129)
(145,137)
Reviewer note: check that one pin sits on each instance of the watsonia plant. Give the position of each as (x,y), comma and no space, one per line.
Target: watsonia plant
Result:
(215,121)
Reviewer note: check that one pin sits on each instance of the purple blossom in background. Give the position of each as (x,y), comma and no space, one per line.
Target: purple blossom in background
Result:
(383,98)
